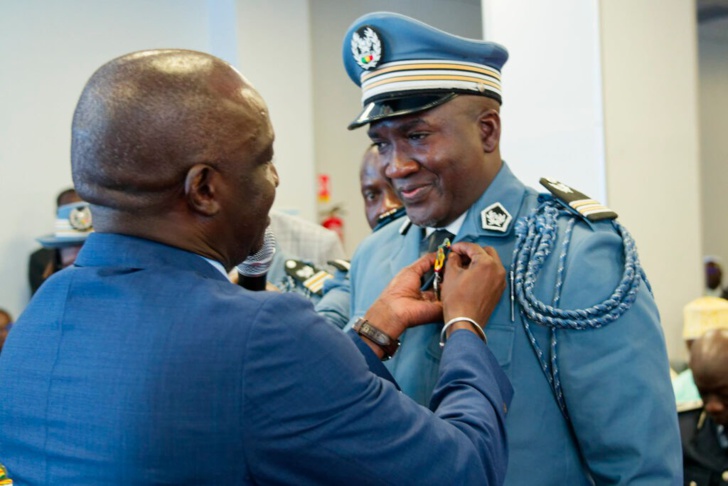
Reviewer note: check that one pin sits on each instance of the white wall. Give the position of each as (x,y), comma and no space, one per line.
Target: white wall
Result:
(649,53)
(552,104)
(275,55)
(713,49)
(48,49)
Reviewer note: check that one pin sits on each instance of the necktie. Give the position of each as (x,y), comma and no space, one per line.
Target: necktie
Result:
(430,244)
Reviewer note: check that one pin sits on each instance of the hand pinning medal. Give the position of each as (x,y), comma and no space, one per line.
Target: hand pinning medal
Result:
(438,268)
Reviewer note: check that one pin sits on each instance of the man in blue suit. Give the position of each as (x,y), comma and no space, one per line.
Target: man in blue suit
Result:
(578,332)
(143,364)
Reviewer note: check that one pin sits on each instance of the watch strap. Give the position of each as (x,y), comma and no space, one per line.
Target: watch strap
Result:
(378,337)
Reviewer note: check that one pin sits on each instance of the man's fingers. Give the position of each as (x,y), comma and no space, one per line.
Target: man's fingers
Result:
(423,264)
(454,260)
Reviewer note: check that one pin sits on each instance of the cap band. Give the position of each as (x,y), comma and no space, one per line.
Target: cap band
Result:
(423,75)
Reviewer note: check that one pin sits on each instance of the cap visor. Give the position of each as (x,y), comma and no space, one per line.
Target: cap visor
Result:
(52,241)
(398,106)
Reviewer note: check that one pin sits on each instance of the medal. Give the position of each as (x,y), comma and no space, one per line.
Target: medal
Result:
(439,267)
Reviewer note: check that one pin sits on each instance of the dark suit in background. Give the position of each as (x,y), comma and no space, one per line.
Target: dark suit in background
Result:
(705,460)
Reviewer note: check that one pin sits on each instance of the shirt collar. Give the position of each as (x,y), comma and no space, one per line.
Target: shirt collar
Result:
(217,265)
(453,227)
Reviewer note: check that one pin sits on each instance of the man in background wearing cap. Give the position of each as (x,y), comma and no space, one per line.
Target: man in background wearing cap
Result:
(56,253)
(577,331)
(143,364)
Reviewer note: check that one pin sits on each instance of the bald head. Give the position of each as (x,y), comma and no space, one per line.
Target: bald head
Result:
(709,364)
(176,146)
(145,118)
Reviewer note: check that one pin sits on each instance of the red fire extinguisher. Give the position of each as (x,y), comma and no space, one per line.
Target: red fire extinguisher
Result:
(334,222)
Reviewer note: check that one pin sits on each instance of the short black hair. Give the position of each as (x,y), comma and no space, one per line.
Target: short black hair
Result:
(63,194)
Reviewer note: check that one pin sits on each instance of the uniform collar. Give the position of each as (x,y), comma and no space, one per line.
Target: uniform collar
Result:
(453,228)
(503,198)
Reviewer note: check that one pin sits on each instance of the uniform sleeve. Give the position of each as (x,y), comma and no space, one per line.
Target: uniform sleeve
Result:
(616,379)
(334,305)
(315,414)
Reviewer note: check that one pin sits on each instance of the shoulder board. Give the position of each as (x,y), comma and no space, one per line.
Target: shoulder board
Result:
(343,265)
(389,216)
(689,406)
(405,226)
(307,275)
(576,201)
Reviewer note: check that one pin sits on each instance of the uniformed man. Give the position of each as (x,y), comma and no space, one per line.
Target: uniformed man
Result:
(703,423)
(577,331)
(381,204)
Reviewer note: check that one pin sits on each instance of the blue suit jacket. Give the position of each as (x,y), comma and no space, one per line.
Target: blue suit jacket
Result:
(615,379)
(143,364)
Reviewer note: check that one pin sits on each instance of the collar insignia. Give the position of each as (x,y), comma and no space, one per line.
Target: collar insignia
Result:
(495,218)
(366,47)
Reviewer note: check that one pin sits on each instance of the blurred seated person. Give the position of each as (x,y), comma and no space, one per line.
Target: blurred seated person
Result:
(6,322)
(301,238)
(381,207)
(303,252)
(47,260)
(699,316)
(703,423)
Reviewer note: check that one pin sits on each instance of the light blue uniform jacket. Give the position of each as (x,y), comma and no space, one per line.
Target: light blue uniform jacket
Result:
(615,379)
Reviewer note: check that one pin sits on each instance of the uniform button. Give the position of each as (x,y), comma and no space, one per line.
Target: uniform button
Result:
(693,483)
(724,476)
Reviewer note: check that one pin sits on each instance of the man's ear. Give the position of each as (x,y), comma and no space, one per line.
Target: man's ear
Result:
(490,129)
(200,189)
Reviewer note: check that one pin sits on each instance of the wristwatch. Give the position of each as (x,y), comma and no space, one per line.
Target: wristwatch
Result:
(366,329)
